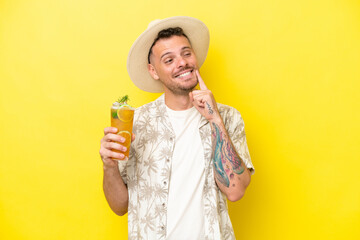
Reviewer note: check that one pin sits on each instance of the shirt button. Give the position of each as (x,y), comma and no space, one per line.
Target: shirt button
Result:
(162,227)
(168,160)
(164,182)
(163,204)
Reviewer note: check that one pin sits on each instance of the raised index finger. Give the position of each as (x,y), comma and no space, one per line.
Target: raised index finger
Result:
(200,80)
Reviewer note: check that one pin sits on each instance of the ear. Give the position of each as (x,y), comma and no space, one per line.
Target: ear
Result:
(152,71)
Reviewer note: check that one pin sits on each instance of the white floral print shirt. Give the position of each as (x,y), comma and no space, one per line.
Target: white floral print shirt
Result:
(147,172)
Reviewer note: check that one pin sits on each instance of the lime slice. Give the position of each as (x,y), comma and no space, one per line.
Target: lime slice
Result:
(125,114)
(127,136)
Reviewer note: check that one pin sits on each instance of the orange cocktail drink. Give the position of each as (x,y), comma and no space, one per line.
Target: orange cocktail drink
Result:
(122,116)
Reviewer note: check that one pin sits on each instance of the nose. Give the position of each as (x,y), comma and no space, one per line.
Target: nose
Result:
(181,62)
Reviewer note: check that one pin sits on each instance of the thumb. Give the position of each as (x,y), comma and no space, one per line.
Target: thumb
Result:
(132,137)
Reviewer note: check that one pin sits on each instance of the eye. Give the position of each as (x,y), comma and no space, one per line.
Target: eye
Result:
(187,54)
(168,60)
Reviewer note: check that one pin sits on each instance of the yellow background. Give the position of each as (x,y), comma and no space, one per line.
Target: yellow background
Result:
(292,68)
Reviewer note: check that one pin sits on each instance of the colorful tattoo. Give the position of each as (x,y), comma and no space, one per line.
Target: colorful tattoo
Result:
(224,153)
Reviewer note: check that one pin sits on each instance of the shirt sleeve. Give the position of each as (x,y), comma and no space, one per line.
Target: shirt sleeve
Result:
(235,126)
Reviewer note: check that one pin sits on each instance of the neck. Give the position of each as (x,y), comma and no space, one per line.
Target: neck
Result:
(177,102)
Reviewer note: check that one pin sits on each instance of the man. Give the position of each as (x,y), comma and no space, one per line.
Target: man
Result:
(188,153)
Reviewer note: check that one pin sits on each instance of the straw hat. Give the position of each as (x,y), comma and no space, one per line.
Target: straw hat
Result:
(137,61)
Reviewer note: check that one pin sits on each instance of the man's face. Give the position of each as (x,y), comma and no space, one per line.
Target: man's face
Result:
(173,62)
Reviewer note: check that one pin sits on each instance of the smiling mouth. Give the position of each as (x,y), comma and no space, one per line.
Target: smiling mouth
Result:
(185,74)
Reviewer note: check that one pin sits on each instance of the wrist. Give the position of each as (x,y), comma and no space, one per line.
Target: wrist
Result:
(110,167)
(216,120)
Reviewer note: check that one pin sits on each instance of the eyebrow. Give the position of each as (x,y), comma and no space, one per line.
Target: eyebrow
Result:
(182,49)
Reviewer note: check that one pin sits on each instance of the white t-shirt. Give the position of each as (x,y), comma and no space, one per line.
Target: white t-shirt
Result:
(185,210)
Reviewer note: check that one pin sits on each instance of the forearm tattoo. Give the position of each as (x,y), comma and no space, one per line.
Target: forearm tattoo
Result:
(226,160)
(210,109)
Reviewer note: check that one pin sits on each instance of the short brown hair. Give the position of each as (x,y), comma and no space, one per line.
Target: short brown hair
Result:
(167,33)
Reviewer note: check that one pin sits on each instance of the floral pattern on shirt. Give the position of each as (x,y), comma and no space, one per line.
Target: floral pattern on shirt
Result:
(147,172)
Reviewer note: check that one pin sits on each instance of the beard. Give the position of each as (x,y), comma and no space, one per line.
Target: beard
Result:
(179,89)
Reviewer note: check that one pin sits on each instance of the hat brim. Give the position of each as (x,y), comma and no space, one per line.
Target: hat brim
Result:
(137,62)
